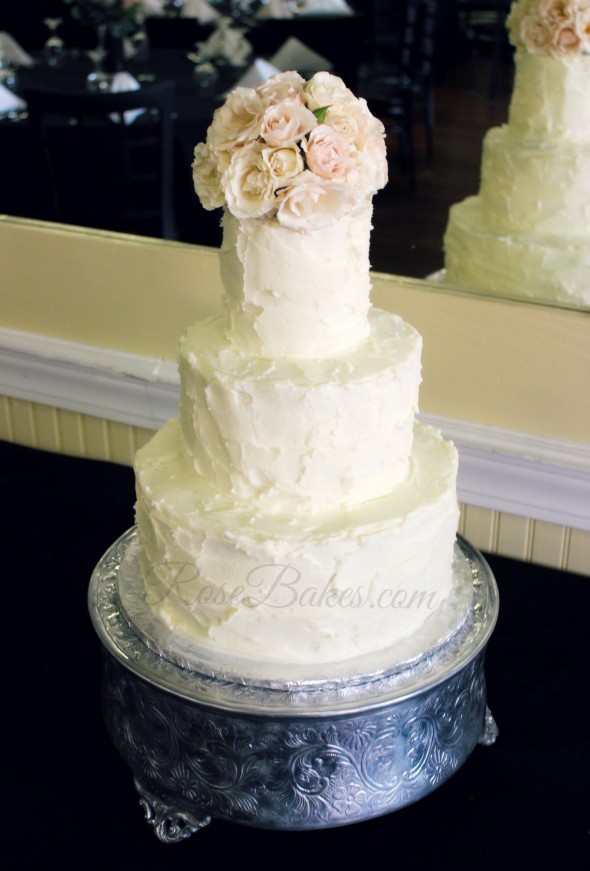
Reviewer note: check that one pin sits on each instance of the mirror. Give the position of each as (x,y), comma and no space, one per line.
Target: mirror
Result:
(472,94)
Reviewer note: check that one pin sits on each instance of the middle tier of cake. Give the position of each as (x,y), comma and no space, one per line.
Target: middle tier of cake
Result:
(293,435)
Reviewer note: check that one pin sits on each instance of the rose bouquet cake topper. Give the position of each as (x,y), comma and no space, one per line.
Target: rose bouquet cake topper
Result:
(305,152)
(560,28)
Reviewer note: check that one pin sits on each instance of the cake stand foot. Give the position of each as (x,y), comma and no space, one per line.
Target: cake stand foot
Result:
(171,825)
(490,729)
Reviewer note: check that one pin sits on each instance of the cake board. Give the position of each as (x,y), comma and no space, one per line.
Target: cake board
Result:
(207,738)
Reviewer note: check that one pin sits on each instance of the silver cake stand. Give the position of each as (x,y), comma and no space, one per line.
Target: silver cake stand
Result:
(281,749)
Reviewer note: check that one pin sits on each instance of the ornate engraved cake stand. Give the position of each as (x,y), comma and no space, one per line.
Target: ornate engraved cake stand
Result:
(210,739)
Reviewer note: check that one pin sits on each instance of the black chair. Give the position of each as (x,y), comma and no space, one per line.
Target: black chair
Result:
(179,33)
(101,171)
(408,85)
(483,23)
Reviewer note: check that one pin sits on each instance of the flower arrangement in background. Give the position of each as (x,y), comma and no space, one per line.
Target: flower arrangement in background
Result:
(305,152)
(560,28)
(123,15)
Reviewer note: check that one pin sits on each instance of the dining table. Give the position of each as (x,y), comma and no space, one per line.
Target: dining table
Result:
(172,41)
(25,193)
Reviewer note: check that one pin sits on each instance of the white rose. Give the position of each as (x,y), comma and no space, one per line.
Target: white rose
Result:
(237,121)
(343,118)
(369,171)
(283,163)
(354,120)
(329,154)
(286,122)
(324,89)
(281,86)
(583,29)
(309,203)
(518,11)
(247,183)
(206,178)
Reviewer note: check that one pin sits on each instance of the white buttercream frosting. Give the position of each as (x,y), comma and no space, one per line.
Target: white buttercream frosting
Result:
(317,587)
(295,512)
(550,98)
(297,294)
(295,434)
(527,233)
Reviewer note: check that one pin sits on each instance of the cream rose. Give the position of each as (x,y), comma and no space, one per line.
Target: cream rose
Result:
(281,86)
(311,204)
(558,11)
(283,163)
(248,184)
(206,178)
(369,171)
(344,118)
(536,35)
(324,89)
(237,121)
(286,122)
(329,153)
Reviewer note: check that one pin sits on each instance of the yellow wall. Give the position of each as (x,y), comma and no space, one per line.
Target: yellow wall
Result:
(519,367)
(499,363)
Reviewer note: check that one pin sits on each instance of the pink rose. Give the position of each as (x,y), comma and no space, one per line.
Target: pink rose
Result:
(286,122)
(329,153)
(566,41)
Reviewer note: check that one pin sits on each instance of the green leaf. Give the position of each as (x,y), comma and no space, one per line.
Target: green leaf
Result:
(321,113)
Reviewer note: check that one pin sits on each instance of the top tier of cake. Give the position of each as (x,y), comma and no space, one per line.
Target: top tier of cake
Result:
(550,98)
(297,294)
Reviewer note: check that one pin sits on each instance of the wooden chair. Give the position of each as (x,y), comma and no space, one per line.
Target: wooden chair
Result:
(102,171)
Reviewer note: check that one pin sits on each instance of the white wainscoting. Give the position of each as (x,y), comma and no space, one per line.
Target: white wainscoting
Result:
(522,496)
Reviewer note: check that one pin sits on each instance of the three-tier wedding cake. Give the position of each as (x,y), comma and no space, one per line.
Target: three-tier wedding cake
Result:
(296,512)
(527,232)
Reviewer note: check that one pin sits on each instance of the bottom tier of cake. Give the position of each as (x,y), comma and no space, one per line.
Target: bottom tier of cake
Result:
(306,588)
(550,269)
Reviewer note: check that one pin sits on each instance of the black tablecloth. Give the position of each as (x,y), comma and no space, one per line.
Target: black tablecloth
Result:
(67,797)
(24,191)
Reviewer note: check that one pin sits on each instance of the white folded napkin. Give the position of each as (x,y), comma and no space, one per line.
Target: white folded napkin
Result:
(274,9)
(259,72)
(200,10)
(325,7)
(9,102)
(11,51)
(121,83)
(294,55)
(228,43)
(152,7)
